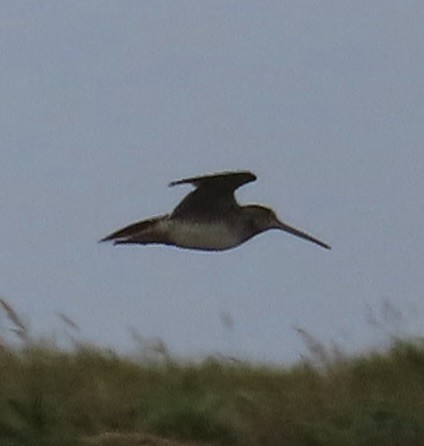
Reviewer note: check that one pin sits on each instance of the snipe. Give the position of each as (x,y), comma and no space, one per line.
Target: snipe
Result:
(208,218)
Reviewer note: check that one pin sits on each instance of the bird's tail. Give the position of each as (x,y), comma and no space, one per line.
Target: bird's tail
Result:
(126,234)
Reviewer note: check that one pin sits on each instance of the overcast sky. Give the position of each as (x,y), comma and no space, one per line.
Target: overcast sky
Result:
(102,103)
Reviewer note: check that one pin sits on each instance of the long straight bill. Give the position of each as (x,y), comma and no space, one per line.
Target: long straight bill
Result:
(301,234)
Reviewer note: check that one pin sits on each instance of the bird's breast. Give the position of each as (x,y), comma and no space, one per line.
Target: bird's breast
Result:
(207,236)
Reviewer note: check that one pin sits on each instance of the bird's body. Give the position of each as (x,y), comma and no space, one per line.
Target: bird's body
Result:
(209,218)
(195,235)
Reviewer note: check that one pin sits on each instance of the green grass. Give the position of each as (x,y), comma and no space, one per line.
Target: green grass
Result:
(51,397)
(89,396)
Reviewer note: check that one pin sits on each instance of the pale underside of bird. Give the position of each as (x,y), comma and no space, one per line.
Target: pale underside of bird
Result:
(208,218)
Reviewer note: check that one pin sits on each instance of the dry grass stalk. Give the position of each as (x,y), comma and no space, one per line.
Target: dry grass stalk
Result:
(20,329)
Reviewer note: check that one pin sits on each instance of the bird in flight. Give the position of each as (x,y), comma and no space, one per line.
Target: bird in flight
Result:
(208,218)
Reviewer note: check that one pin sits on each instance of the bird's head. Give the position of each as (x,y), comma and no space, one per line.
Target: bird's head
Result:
(262,218)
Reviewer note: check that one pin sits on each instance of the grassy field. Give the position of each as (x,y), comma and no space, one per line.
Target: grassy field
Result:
(91,397)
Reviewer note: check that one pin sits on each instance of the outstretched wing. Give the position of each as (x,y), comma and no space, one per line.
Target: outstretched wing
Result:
(213,195)
(219,181)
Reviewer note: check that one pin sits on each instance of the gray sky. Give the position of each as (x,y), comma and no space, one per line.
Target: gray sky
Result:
(104,102)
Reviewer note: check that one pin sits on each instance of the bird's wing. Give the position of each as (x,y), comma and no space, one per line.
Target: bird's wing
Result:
(214,194)
(228,181)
